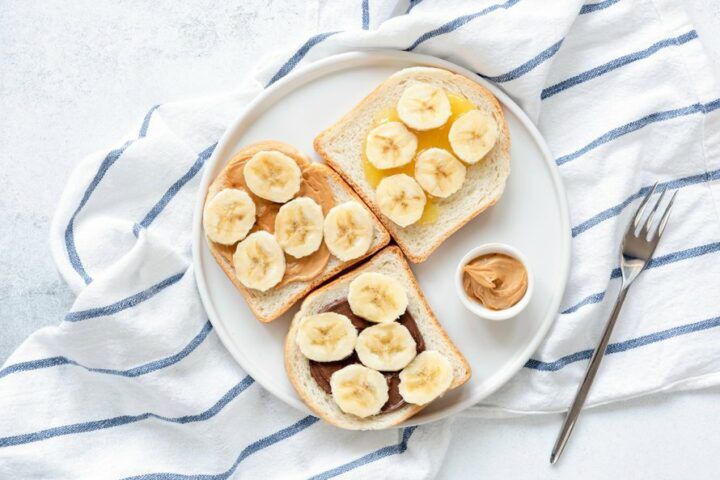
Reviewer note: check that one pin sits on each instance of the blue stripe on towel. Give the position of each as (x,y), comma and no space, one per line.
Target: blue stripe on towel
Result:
(130,372)
(589,300)
(146,122)
(714,105)
(126,419)
(673,257)
(365,14)
(73,255)
(254,447)
(617,209)
(637,125)
(617,63)
(125,303)
(413,4)
(458,22)
(297,56)
(625,345)
(109,160)
(174,189)
(594,7)
(527,66)
(398,448)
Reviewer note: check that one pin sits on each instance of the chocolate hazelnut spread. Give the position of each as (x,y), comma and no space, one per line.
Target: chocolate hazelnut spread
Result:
(314,185)
(496,280)
(322,371)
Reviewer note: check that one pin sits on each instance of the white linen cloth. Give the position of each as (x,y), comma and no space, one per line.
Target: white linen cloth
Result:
(134,382)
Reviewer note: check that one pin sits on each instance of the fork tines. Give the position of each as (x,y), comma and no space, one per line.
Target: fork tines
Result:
(646,230)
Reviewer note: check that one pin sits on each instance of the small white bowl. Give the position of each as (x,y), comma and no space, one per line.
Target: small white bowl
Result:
(473,305)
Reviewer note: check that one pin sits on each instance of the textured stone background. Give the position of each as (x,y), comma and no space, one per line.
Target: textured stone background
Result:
(76,74)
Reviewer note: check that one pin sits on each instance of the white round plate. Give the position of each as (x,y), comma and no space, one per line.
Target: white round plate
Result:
(531,216)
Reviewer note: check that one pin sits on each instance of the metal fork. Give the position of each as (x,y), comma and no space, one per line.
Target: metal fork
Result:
(637,250)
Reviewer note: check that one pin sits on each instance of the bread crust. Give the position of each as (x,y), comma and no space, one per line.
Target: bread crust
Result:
(321,142)
(374,422)
(381,234)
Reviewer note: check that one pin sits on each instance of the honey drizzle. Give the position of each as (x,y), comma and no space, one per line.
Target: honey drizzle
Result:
(435,138)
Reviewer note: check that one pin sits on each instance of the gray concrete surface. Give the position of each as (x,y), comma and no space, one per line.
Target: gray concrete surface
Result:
(74,77)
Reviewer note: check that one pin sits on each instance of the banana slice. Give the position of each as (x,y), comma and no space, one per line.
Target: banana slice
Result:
(439,173)
(473,135)
(426,378)
(401,199)
(387,346)
(348,231)
(377,297)
(390,145)
(299,227)
(273,176)
(229,216)
(423,106)
(326,337)
(259,261)
(359,390)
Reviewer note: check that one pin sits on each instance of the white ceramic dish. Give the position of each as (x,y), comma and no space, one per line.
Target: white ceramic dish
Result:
(531,215)
(472,305)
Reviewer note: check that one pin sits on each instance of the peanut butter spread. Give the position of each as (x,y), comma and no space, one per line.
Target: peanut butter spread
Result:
(314,185)
(322,371)
(496,280)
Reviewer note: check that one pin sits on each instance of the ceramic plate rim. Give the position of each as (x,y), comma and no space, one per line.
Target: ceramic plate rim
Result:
(326,66)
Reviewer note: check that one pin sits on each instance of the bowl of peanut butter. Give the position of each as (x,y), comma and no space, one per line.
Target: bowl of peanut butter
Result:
(494,281)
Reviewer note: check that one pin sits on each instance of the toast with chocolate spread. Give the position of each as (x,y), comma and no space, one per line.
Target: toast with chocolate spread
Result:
(366,352)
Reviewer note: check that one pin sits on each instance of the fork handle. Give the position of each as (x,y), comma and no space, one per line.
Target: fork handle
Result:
(584,388)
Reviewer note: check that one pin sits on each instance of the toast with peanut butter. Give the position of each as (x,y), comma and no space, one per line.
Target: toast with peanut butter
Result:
(428,150)
(279,225)
(366,352)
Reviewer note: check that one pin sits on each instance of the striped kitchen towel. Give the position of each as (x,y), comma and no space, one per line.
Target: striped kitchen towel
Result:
(135,383)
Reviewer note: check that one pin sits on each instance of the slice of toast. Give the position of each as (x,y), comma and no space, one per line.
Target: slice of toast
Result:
(341,147)
(269,305)
(390,262)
